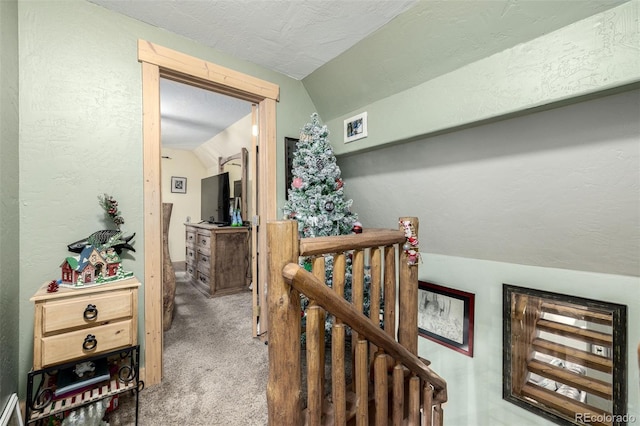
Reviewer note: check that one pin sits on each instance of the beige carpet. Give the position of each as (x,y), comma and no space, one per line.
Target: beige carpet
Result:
(215,372)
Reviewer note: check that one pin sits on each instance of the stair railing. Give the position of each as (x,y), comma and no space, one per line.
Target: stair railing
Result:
(404,389)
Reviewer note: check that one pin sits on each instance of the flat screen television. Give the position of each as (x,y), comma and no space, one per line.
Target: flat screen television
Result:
(215,199)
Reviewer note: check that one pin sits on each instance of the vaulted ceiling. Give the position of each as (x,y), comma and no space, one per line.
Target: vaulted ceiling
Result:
(347,53)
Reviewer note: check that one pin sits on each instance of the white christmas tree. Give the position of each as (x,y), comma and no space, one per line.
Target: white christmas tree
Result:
(317,202)
(316,197)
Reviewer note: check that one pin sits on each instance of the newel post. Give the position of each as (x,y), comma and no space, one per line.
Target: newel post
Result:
(408,288)
(283,387)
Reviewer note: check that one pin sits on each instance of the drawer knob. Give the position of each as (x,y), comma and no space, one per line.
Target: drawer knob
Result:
(91,312)
(90,342)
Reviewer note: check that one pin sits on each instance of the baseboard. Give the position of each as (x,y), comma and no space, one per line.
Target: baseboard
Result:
(11,414)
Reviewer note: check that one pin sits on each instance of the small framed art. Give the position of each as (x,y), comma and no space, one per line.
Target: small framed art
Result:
(445,316)
(355,127)
(179,184)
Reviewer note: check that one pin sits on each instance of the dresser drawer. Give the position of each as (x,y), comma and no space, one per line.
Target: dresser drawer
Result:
(190,237)
(190,256)
(86,311)
(203,259)
(82,343)
(204,241)
(190,270)
(203,279)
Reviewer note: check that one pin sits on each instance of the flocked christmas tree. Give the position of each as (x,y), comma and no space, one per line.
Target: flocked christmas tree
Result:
(316,197)
(317,202)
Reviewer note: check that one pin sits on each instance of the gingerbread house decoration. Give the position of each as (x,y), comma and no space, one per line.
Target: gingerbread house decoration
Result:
(90,266)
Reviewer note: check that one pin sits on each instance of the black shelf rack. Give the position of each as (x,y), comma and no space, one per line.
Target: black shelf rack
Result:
(42,404)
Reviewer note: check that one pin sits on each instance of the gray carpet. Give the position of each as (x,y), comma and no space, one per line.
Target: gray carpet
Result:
(215,372)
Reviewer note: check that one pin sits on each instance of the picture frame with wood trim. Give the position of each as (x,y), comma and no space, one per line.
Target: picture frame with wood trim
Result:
(446,316)
(565,357)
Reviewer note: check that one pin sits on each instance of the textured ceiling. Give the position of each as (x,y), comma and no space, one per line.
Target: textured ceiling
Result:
(348,53)
(290,37)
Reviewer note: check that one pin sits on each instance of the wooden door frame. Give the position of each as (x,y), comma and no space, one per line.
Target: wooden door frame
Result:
(157,62)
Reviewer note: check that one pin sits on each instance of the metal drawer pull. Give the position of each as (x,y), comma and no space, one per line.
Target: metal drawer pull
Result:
(91,312)
(90,342)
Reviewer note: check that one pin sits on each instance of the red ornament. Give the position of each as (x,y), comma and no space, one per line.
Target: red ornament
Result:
(339,183)
(297,182)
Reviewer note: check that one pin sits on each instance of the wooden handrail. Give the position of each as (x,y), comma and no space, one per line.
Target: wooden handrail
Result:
(313,288)
(340,243)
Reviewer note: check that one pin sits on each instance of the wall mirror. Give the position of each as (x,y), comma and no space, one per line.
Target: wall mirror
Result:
(236,165)
(565,357)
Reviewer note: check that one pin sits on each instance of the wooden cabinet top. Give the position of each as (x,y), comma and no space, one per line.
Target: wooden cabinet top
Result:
(217,228)
(63,292)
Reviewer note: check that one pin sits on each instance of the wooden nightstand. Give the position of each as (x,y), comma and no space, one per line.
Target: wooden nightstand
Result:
(75,330)
(72,324)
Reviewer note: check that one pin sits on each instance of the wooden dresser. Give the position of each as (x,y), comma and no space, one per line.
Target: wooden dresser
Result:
(217,258)
(75,323)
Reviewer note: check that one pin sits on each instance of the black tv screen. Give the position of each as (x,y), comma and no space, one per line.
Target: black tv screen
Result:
(215,199)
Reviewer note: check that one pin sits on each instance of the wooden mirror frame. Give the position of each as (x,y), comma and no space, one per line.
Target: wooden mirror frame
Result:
(243,156)
(542,351)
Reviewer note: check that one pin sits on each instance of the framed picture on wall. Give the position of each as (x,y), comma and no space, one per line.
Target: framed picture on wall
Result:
(445,316)
(355,127)
(179,184)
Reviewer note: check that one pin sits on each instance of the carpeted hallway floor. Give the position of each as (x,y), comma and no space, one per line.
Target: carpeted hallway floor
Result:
(215,372)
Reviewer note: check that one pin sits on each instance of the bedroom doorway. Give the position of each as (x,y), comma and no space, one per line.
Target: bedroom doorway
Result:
(160,62)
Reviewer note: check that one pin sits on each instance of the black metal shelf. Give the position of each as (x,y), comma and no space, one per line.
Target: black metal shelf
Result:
(41,384)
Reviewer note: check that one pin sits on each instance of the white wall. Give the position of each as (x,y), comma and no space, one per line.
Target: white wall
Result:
(183,164)
(550,201)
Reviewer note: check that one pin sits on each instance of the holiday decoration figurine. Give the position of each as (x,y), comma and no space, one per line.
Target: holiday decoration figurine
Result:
(99,260)
(410,247)
(357,228)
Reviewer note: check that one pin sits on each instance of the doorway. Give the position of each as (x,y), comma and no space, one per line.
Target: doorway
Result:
(157,62)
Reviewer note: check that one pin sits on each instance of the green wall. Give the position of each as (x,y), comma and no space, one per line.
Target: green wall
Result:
(81,132)
(592,56)
(9,218)
(548,201)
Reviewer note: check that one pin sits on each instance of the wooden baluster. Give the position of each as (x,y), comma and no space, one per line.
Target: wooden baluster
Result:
(338,380)
(362,383)
(381,389)
(390,290)
(319,271)
(427,405)
(414,401)
(438,415)
(315,363)
(283,387)
(357,294)
(398,395)
(407,333)
(338,384)
(375,294)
